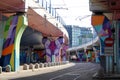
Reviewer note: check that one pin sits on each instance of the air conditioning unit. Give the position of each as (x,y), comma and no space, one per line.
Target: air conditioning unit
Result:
(114,4)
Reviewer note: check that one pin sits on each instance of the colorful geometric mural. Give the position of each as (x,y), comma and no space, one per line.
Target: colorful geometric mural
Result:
(57,52)
(12,33)
(53,49)
(63,53)
(1,36)
(46,43)
(102,26)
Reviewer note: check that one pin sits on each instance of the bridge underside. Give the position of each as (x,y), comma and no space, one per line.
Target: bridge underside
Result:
(105,20)
(25,32)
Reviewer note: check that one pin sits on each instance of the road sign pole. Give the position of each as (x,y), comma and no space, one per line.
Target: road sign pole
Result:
(113,60)
(109,52)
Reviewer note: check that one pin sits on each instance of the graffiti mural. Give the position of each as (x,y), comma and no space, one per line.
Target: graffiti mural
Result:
(53,49)
(46,43)
(58,52)
(63,54)
(102,26)
(11,34)
(1,36)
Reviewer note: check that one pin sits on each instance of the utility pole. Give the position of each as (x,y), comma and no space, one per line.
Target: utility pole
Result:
(50,6)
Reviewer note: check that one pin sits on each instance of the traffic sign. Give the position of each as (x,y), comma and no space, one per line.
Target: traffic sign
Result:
(109,42)
(109,51)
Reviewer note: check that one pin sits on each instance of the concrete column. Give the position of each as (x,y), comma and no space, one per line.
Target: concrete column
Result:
(68,55)
(116,25)
(0,69)
(77,54)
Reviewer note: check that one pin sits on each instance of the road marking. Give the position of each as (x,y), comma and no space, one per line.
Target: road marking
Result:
(77,77)
(73,73)
(67,74)
(57,77)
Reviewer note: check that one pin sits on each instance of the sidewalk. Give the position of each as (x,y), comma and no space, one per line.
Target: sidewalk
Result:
(31,72)
(106,76)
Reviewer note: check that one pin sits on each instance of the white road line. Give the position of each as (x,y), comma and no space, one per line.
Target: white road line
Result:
(64,75)
(57,77)
(72,73)
(76,77)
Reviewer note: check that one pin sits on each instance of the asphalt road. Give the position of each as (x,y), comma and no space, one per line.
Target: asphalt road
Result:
(79,71)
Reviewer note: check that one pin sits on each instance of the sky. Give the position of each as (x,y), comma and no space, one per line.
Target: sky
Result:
(77,9)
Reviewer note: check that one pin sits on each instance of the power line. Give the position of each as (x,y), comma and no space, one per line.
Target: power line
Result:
(80,18)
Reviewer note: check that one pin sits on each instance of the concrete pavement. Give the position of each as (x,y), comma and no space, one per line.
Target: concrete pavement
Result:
(31,72)
(70,71)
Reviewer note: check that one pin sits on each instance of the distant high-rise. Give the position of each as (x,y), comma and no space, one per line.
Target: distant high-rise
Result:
(78,35)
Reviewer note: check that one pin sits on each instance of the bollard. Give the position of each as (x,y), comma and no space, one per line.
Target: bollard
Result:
(31,66)
(25,67)
(56,63)
(41,65)
(49,64)
(45,64)
(52,64)
(62,62)
(36,65)
(8,68)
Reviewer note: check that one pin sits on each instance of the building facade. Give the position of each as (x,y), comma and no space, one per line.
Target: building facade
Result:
(78,35)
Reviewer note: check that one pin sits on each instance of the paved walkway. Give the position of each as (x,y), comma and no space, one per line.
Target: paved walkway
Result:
(70,71)
(27,73)
(79,71)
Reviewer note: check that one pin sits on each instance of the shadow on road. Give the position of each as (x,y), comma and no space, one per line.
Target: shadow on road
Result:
(80,71)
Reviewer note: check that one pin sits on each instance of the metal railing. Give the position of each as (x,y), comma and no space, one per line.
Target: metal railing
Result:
(91,42)
(85,38)
(48,7)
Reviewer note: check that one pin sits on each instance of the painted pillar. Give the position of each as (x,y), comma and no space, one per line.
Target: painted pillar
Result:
(76,53)
(64,53)
(2,24)
(52,49)
(13,31)
(46,43)
(58,52)
(102,26)
(116,25)
(68,56)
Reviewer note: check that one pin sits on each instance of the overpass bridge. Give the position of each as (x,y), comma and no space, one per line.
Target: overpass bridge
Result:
(88,45)
(90,49)
(31,28)
(28,27)
(105,20)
